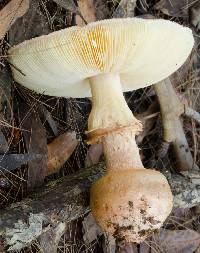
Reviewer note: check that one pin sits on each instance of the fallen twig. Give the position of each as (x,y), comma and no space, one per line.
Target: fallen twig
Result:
(67,199)
(171,109)
(191,113)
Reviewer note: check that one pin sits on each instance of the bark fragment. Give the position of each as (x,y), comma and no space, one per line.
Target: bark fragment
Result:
(66,199)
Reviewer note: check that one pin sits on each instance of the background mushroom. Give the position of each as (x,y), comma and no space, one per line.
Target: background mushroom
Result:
(108,57)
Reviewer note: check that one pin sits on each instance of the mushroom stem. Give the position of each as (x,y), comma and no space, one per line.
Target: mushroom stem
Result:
(109,108)
(112,121)
(123,202)
(121,150)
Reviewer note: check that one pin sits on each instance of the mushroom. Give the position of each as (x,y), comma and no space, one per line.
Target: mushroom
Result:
(106,58)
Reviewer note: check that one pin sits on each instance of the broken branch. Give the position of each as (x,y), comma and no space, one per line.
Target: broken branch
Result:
(67,199)
(171,109)
(191,113)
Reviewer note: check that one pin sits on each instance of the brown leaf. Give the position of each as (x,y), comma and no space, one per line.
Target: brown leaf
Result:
(175,8)
(93,155)
(10,13)
(148,119)
(145,247)
(125,8)
(176,241)
(49,240)
(33,24)
(198,250)
(91,229)
(47,117)
(109,244)
(181,75)
(194,15)
(36,142)
(2,250)
(88,12)
(59,151)
(179,215)
(4,184)
(103,9)
(3,143)
(129,248)
(68,5)
(5,90)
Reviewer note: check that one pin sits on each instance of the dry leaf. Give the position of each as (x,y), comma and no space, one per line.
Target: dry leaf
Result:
(2,250)
(148,119)
(10,13)
(126,8)
(145,247)
(88,12)
(129,248)
(49,241)
(33,24)
(183,73)
(94,154)
(109,245)
(198,250)
(68,5)
(179,215)
(47,117)
(176,241)
(194,15)
(175,8)
(91,229)
(35,142)
(103,9)
(59,151)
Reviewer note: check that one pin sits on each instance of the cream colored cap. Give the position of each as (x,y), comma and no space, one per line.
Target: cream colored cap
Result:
(141,51)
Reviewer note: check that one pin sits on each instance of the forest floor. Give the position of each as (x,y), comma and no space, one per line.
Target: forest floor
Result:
(30,122)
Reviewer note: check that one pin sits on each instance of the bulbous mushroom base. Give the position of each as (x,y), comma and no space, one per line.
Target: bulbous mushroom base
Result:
(131,204)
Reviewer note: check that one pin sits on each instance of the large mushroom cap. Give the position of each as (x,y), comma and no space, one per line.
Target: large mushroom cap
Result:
(141,51)
(131,204)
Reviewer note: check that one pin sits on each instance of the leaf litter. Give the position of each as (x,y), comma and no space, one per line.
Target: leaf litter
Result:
(60,116)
